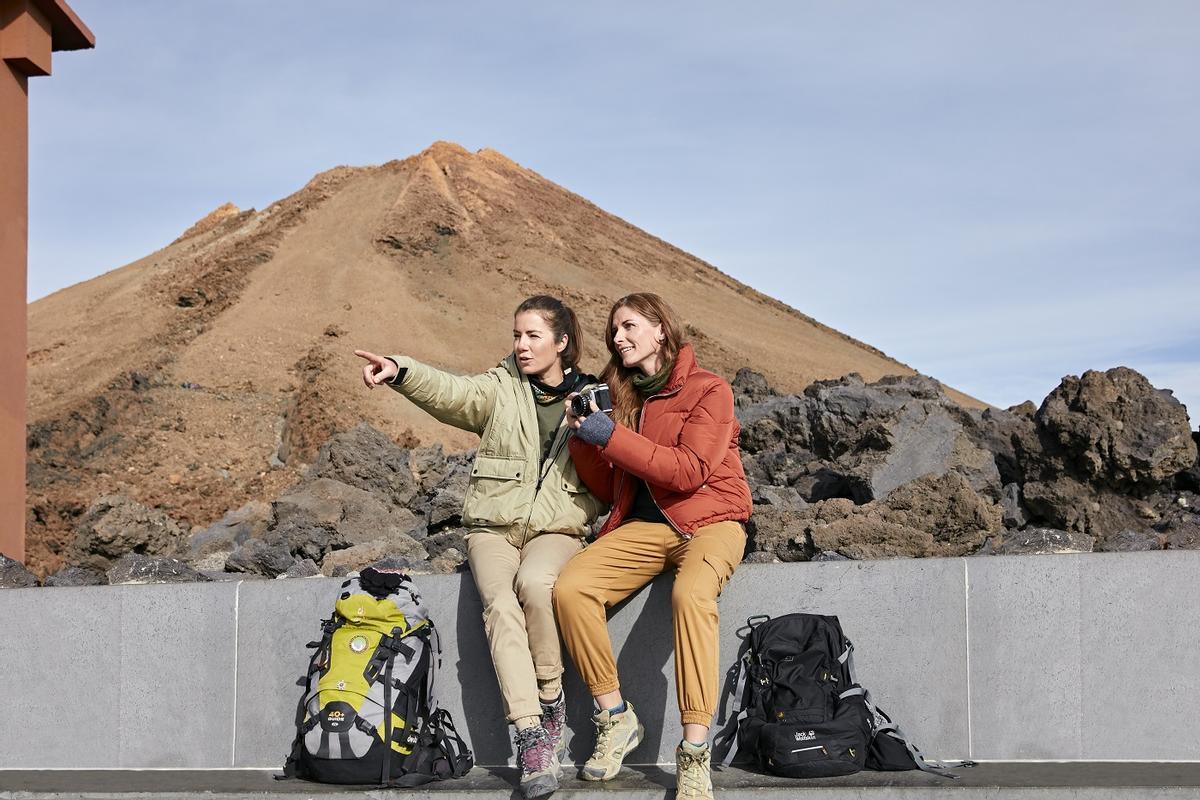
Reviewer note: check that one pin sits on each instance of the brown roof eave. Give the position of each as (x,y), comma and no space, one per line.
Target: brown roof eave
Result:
(67,31)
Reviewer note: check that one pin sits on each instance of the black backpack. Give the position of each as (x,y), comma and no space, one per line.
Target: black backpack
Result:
(368,714)
(801,713)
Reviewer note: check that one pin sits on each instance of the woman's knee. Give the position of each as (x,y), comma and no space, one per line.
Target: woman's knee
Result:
(534,590)
(569,591)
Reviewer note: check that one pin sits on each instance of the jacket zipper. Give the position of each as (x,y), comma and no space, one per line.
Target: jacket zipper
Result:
(649,491)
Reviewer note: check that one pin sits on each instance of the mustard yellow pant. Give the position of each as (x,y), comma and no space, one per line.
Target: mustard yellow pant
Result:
(621,562)
(515,587)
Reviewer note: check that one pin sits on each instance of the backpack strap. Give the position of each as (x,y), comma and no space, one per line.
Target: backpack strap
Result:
(883,726)
(291,766)
(725,742)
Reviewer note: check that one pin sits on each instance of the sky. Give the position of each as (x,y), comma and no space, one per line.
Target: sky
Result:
(996,194)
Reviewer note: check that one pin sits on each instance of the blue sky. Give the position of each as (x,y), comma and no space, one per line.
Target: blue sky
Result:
(998,194)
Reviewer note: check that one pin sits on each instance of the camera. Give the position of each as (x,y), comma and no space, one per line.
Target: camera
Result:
(581,404)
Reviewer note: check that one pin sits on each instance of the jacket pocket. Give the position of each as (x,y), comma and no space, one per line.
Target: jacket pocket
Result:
(494,493)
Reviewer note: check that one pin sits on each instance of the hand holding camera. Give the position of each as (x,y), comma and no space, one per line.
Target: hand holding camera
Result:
(581,404)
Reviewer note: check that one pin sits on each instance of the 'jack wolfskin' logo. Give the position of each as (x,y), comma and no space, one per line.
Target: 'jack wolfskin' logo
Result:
(805,736)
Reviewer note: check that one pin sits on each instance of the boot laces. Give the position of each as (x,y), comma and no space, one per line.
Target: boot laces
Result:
(692,775)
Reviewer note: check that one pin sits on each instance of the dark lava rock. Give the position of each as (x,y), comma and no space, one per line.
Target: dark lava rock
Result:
(77,576)
(1010,504)
(251,521)
(1185,536)
(366,458)
(13,574)
(830,555)
(260,558)
(1044,540)
(356,514)
(137,568)
(750,387)
(446,539)
(304,568)
(115,525)
(781,496)
(1115,430)
(304,539)
(445,503)
(1130,541)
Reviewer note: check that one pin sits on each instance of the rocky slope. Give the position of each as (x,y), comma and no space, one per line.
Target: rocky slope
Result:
(845,470)
(207,375)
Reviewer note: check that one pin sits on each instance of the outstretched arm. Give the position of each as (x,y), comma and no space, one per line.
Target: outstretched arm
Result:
(462,401)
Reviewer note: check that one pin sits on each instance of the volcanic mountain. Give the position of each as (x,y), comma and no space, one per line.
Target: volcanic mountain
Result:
(206,374)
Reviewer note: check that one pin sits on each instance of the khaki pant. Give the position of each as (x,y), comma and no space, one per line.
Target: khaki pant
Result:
(518,618)
(623,561)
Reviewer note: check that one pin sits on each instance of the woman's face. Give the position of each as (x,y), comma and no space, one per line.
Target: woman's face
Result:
(639,344)
(534,346)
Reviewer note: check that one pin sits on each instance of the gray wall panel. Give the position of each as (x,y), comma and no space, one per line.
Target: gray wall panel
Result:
(60,682)
(1023,613)
(176,675)
(1141,657)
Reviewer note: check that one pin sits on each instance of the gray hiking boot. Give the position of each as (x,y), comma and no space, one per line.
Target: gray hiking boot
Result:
(616,736)
(538,763)
(554,720)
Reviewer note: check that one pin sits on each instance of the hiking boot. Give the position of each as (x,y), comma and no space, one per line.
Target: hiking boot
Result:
(693,778)
(554,720)
(538,763)
(616,736)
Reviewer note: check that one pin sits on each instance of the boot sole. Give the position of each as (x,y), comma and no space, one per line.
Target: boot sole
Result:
(597,774)
(540,786)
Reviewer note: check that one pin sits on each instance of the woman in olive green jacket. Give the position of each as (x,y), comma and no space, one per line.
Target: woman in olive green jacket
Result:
(527,509)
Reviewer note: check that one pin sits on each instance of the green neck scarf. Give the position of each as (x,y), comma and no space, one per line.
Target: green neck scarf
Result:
(648,385)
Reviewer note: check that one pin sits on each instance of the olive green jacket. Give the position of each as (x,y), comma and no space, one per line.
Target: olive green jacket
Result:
(505,492)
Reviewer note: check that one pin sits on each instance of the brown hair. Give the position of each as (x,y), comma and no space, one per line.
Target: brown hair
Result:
(626,400)
(562,322)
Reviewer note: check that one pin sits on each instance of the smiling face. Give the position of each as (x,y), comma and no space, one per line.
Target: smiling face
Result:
(536,351)
(639,344)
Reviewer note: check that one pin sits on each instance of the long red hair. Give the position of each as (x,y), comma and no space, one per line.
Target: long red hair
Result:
(626,400)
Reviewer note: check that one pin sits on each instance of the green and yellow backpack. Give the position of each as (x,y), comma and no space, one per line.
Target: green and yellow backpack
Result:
(368,714)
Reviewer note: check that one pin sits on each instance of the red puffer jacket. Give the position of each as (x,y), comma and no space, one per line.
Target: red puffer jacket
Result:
(686,452)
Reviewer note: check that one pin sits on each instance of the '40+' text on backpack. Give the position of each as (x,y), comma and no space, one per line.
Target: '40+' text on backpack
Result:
(801,712)
(368,713)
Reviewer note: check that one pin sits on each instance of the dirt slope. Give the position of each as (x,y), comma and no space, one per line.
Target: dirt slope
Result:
(205,374)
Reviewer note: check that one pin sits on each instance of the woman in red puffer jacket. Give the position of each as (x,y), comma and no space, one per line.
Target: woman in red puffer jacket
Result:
(668,463)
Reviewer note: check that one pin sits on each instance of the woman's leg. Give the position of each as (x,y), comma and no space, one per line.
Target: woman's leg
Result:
(494,564)
(542,559)
(605,573)
(704,564)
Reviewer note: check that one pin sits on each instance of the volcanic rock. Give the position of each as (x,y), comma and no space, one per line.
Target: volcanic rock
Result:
(13,574)
(226,534)
(77,576)
(302,568)
(260,558)
(1115,430)
(359,556)
(358,515)
(1130,541)
(1010,503)
(137,568)
(115,525)
(366,458)
(1044,540)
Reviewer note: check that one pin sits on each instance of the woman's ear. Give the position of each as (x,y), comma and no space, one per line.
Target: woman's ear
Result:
(562,343)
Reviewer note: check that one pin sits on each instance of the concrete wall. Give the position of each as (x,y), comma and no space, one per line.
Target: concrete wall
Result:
(1027,657)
